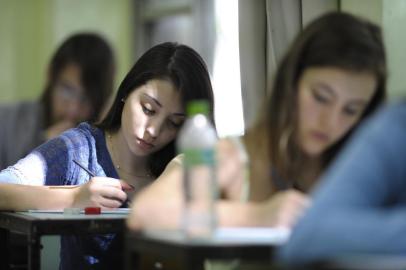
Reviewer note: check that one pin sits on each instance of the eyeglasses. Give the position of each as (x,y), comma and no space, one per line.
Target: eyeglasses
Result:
(71,93)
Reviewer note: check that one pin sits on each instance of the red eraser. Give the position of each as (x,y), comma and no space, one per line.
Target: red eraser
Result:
(92,211)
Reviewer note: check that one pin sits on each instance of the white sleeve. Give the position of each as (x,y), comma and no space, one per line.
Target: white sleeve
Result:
(30,170)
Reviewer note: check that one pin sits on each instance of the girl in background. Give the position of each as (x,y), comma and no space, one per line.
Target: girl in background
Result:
(331,78)
(79,84)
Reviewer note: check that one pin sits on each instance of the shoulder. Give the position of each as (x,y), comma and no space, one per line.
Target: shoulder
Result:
(232,146)
(384,129)
(176,162)
(80,139)
(389,117)
(397,109)
(81,135)
(173,169)
(85,129)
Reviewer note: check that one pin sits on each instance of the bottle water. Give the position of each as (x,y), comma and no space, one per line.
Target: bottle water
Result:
(197,140)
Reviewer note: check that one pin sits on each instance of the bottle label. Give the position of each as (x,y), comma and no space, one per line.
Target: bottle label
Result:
(199,217)
(199,156)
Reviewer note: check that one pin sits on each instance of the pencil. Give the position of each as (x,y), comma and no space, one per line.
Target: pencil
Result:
(74,186)
(84,168)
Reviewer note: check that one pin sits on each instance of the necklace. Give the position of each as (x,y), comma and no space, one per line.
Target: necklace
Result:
(115,160)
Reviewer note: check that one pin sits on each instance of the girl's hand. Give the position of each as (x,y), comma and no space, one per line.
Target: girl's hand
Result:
(232,168)
(284,208)
(103,192)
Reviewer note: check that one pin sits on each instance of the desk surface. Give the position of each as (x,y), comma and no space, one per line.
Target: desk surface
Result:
(173,248)
(222,237)
(58,214)
(59,223)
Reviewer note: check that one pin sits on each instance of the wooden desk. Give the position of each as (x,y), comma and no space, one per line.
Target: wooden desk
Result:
(35,225)
(172,250)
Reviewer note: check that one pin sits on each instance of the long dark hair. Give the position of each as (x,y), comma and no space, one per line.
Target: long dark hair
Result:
(95,59)
(177,63)
(335,40)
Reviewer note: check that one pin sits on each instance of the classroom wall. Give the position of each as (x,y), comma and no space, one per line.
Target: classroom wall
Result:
(391,15)
(31,30)
(311,9)
(370,9)
(394,21)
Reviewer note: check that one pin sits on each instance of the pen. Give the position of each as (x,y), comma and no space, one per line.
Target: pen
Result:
(93,175)
(84,168)
(74,186)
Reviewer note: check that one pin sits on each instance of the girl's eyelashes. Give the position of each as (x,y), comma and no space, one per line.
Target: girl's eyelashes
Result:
(175,124)
(351,111)
(146,110)
(319,97)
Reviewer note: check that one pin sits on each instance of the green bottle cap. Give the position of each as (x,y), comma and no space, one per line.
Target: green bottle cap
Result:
(197,107)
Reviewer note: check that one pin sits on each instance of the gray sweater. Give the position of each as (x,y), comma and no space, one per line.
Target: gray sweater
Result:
(360,206)
(21,130)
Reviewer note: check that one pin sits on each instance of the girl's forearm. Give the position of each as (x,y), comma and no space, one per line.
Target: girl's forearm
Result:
(239,214)
(23,197)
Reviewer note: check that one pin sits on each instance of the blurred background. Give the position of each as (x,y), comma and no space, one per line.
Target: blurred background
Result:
(240,40)
(233,36)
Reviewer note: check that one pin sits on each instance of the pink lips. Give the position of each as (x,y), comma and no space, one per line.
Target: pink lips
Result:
(144,145)
(320,136)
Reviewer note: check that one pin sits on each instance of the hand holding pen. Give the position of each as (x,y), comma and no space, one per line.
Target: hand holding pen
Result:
(125,186)
(104,192)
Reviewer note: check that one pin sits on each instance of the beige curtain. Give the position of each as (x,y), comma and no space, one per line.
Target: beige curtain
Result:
(284,22)
(252,39)
(266,28)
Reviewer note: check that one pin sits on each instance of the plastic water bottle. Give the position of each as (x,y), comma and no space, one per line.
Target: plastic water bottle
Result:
(197,140)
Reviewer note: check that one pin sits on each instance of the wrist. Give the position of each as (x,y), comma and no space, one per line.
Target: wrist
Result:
(71,197)
(63,196)
(256,214)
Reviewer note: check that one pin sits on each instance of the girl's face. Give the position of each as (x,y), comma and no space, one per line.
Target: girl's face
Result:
(152,116)
(330,102)
(69,101)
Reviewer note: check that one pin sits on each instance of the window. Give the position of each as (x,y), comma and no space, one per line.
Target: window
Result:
(226,70)
(211,28)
